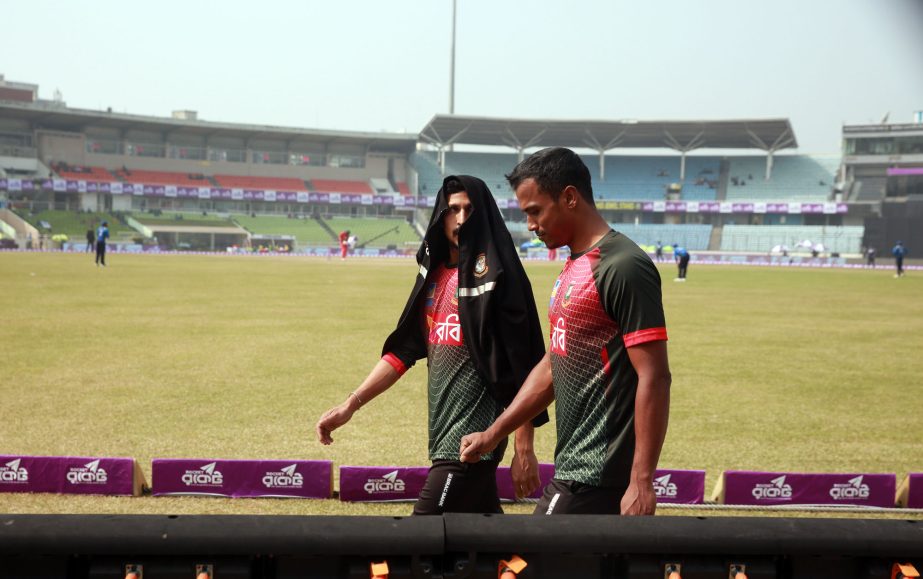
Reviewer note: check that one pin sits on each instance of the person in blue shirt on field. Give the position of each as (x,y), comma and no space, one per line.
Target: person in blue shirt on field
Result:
(102,234)
(682,259)
(898,252)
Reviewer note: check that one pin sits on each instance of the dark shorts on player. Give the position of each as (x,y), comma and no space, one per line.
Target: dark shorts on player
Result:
(567,497)
(457,487)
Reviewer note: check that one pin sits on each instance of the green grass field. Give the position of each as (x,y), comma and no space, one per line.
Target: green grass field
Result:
(236,357)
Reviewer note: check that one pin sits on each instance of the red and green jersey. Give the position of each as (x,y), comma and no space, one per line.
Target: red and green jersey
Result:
(605,301)
(459,402)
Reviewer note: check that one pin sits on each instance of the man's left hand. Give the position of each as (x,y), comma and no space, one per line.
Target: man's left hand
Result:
(639,499)
(524,470)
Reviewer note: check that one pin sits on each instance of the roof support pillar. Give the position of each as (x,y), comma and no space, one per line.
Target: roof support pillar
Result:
(695,142)
(594,143)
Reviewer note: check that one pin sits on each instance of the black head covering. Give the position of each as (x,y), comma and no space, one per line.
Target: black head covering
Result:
(495,303)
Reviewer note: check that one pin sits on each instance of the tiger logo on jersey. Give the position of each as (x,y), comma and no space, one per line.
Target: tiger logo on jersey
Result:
(480,266)
(566,301)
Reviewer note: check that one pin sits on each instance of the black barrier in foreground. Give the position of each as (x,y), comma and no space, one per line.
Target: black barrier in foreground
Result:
(456,546)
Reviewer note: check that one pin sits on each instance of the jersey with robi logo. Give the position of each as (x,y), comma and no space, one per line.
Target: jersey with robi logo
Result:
(605,301)
(459,402)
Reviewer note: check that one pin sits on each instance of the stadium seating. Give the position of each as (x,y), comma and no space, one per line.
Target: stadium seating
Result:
(762,238)
(265,183)
(369,230)
(84,173)
(189,219)
(694,237)
(647,178)
(306,231)
(382,186)
(634,178)
(75,224)
(490,167)
(403,188)
(794,178)
(162,178)
(340,186)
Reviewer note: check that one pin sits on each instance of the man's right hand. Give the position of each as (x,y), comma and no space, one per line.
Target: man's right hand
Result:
(474,445)
(333,419)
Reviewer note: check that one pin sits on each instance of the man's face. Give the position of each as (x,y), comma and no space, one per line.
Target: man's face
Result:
(547,218)
(459,212)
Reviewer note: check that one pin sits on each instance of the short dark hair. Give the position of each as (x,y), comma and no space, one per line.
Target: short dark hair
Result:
(453,186)
(554,169)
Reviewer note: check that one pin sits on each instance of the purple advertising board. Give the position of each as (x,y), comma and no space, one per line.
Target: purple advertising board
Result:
(910,493)
(381,483)
(505,481)
(403,483)
(778,488)
(242,478)
(894,171)
(70,475)
(680,486)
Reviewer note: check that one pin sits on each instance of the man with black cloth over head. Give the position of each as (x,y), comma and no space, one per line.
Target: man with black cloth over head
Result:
(472,314)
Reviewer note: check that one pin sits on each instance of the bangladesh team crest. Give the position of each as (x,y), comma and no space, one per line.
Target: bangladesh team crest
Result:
(480,266)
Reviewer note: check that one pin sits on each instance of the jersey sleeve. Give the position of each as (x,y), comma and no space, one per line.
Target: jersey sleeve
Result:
(629,288)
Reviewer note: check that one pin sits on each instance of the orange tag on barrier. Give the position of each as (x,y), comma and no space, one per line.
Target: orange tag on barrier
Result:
(904,570)
(379,570)
(511,568)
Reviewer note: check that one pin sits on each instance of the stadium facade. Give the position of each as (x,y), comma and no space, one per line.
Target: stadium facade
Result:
(180,182)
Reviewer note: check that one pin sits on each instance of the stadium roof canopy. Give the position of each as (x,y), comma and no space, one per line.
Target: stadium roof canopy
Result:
(58,117)
(769,135)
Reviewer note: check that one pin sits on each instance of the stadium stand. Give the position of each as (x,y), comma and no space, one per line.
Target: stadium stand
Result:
(377,232)
(490,167)
(305,231)
(75,224)
(403,188)
(182,218)
(340,186)
(269,183)
(162,178)
(81,172)
(648,178)
(382,186)
(762,238)
(794,178)
(694,237)
(635,178)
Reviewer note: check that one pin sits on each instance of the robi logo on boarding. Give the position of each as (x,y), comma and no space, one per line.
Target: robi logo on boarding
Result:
(203,476)
(774,489)
(852,489)
(12,472)
(388,483)
(90,473)
(664,488)
(284,478)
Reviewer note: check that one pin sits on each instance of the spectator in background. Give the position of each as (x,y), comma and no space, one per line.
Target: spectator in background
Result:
(658,251)
(870,257)
(682,261)
(898,251)
(344,243)
(91,237)
(102,234)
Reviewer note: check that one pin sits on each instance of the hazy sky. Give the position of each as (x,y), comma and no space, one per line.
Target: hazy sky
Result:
(384,65)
